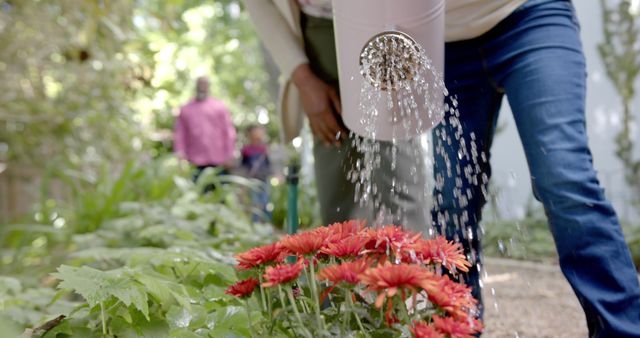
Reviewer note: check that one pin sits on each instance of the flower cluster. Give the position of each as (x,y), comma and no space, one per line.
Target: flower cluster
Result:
(388,271)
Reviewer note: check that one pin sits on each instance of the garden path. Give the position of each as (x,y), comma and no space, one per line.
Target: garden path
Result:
(530,300)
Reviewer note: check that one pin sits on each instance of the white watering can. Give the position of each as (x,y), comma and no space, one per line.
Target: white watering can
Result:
(365,31)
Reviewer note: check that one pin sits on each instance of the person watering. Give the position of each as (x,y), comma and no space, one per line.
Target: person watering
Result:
(529,51)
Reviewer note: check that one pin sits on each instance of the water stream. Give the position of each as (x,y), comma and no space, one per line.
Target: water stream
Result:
(408,85)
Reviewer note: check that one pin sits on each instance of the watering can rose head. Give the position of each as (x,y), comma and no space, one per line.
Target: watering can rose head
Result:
(390,64)
(392,275)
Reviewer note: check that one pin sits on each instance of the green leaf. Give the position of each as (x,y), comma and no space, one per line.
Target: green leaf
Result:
(93,285)
(125,314)
(223,332)
(179,317)
(9,285)
(97,286)
(8,327)
(155,328)
(199,319)
(183,333)
(231,317)
(131,293)
(160,289)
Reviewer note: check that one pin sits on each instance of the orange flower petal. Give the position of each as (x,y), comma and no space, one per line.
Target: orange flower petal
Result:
(281,274)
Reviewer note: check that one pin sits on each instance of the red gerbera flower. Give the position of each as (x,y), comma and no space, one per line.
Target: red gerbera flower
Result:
(260,256)
(281,273)
(424,330)
(304,243)
(388,279)
(340,231)
(348,247)
(243,288)
(456,328)
(439,250)
(454,298)
(346,272)
(390,240)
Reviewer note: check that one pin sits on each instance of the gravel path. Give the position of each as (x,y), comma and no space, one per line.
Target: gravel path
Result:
(530,300)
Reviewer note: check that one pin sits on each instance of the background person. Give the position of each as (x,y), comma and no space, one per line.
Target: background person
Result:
(204,133)
(256,164)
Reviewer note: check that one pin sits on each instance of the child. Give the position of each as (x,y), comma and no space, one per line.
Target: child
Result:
(255,162)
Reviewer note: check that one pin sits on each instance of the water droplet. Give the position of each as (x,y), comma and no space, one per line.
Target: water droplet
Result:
(501,247)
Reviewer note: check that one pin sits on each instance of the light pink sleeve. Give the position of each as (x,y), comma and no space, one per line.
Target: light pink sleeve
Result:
(278,37)
(179,137)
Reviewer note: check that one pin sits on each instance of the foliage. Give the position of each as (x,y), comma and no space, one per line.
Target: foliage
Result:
(632,235)
(8,328)
(308,211)
(185,39)
(159,258)
(346,280)
(620,53)
(527,239)
(530,238)
(90,82)
(64,78)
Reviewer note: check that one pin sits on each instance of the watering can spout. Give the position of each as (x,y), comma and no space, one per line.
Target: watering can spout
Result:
(396,48)
(390,59)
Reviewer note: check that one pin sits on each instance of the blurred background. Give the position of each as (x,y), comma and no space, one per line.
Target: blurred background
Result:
(89,92)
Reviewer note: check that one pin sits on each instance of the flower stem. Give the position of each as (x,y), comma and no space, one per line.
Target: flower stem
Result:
(262,290)
(404,311)
(347,313)
(104,323)
(246,304)
(353,308)
(303,304)
(316,301)
(295,310)
(284,306)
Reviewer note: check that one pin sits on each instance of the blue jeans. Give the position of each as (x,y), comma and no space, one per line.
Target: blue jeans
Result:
(535,57)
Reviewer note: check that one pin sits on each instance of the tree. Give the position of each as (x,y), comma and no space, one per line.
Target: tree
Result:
(620,52)
(183,39)
(89,82)
(86,86)
(65,89)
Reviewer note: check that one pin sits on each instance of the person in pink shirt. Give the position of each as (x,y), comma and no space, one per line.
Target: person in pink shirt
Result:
(204,134)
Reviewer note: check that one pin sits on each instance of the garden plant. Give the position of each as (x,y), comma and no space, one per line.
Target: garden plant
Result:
(347,280)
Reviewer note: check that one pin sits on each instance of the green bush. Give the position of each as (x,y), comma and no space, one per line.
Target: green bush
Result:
(531,239)
(155,262)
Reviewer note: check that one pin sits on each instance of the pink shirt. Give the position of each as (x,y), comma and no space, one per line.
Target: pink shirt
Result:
(204,133)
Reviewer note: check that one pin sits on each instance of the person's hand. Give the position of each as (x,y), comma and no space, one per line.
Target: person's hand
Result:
(230,164)
(320,101)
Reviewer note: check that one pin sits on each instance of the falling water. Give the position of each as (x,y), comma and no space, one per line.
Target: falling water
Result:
(401,79)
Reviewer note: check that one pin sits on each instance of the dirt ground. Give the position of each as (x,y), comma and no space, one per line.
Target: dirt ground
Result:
(530,300)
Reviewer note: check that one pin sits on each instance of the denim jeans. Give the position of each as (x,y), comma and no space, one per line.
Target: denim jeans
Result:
(535,57)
